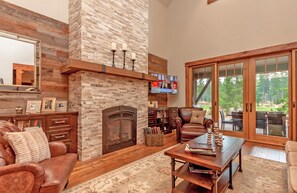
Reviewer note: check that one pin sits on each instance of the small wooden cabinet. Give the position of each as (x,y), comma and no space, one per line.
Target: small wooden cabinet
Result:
(163,118)
(57,126)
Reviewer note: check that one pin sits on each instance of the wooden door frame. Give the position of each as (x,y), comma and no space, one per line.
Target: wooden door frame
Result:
(294,95)
(266,51)
(189,86)
(252,96)
(244,133)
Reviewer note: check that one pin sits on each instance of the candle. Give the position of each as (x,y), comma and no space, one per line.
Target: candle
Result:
(133,56)
(220,135)
(124,46)
(113,46)
(208,130)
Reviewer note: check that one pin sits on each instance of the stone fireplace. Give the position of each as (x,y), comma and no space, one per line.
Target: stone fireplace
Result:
(119,128)
(93,26)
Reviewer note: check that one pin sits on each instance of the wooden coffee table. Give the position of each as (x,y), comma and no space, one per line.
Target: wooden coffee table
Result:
(222,165)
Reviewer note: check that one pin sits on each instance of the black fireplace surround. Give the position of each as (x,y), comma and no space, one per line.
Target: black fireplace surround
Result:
(119,128)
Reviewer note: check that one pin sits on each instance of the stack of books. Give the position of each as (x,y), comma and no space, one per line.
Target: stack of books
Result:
(199,169)
(201,149)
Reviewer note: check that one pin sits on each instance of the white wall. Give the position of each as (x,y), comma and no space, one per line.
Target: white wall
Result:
(198,31)
(57,9)
(158,29)
(12,51)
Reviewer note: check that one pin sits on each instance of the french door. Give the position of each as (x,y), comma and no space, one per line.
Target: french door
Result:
(232,94)
(254,98)
(270,96)
(202,88)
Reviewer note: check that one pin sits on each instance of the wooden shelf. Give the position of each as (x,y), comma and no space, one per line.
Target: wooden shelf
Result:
(203,180)
(188,187)
(200,182)
(78,65)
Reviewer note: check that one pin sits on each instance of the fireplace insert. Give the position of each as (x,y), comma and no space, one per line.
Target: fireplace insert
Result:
(119,128)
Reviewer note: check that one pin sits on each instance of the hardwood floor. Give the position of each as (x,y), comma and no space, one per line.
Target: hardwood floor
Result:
(87,170)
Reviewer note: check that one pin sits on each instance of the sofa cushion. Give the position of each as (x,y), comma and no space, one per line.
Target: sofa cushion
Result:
(30,145)
(292,158)
(185,113)
(291,146)
(57,171)
(197,116)
(292,179)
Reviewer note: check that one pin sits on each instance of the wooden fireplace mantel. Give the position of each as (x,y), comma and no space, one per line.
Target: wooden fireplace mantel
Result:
(78,65)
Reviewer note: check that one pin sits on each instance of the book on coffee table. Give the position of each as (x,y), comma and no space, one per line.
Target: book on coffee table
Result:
(204,146)
(199,151)
(199,169)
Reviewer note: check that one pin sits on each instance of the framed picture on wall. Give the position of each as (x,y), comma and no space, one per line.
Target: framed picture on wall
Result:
(48,104)
(33,107)
(61,106)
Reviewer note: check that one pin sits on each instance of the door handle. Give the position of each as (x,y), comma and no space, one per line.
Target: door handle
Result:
(246,107)
(251,107)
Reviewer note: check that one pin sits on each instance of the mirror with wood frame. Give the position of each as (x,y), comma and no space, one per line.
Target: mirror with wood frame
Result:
(20,59)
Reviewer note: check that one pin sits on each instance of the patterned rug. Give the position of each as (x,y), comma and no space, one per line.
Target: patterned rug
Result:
(152,175)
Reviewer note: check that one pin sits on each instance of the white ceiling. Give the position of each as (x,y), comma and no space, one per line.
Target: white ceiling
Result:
(166,3)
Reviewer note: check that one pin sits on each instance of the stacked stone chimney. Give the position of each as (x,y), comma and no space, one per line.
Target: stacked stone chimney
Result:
(93,26)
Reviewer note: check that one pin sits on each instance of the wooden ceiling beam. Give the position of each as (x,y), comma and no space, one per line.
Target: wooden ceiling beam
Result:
(210,1)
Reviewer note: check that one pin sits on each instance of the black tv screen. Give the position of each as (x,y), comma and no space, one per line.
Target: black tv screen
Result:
(164,84)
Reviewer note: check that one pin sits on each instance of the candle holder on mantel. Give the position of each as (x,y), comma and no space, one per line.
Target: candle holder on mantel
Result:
(133,61)
(124,60)
(113,53)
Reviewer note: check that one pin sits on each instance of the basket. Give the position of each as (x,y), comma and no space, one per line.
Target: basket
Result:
(154,139)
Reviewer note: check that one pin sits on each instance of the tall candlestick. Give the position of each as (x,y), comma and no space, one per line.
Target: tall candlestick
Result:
(133,56)
(124,46)
(133,61)
(113,46)
(113,52)
(124,53)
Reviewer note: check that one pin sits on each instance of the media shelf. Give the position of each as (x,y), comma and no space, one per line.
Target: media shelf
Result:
(193,182)
(163,118)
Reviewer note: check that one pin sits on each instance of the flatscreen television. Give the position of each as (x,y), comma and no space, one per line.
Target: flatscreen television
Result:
(164,84)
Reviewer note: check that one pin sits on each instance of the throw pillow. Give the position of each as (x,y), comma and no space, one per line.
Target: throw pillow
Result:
(30,145)
(197,116)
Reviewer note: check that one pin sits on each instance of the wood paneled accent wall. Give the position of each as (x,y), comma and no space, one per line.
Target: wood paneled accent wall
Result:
(53,35)
(157,65)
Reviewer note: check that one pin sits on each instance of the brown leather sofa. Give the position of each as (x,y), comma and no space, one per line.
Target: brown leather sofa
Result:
(291,155)
(48,176)
(185,130)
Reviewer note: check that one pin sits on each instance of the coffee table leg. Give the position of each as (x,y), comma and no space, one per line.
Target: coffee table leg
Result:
(240,162)
(230,176)
(172,170)
(215,183)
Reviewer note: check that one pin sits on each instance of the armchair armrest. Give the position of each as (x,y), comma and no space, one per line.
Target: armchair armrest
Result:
(179,123)
(207,122)
(57,148)
(21,178)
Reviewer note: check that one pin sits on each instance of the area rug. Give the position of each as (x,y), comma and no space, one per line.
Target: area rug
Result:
(152,174)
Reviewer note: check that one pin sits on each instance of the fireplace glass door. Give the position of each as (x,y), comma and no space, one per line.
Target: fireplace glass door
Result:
(119,128)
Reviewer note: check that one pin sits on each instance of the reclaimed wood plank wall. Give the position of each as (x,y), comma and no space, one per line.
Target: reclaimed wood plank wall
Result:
(157,65)
(53,35)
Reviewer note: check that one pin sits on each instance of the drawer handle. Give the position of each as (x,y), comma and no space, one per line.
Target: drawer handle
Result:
(60,136)
(58,122)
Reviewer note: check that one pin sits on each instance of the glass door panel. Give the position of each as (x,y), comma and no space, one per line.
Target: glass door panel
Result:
(231,98)
(272,96)
(202,89)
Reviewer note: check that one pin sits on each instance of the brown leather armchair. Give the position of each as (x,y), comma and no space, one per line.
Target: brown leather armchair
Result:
(185,130)
(48,176)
